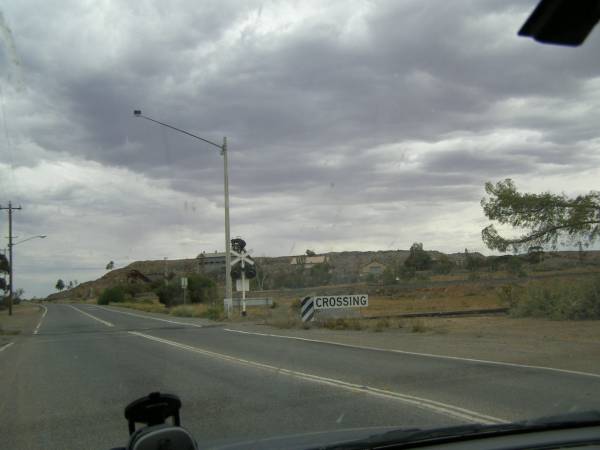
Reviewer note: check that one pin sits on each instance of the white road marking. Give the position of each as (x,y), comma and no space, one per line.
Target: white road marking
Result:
(431,405)
(150,317)
(427,355)
(41,318)
(4,347)
(108,324)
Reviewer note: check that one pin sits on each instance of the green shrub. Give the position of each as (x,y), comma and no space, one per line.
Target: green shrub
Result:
(111,295)
(560,300)
(169,295)
(202,289)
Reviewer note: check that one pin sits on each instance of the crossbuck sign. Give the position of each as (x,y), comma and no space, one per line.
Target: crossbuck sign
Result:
(308,305)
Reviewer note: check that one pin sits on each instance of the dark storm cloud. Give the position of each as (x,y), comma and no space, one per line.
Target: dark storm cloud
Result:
(347,123)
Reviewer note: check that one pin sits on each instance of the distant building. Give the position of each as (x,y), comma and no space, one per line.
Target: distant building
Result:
(308,261)
(210,262)
(373,268)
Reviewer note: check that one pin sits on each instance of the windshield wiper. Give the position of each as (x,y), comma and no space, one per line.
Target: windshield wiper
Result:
(398,438)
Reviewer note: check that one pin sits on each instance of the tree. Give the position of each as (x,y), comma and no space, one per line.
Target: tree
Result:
(60,285)
(545,217)
(418,259)
(443,265)
(70,285)
(110,265)
(310,253)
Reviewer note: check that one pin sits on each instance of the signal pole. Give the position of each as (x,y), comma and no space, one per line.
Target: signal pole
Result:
(10,209)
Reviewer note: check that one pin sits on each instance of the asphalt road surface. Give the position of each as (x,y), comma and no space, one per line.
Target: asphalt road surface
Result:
(65,386)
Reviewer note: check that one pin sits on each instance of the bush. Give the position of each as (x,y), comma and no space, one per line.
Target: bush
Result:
(560,301)
(111,295)
(132,289)
(169,295)
(202,289)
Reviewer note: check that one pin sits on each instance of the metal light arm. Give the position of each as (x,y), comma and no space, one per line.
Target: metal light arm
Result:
(41,236)
(138,113)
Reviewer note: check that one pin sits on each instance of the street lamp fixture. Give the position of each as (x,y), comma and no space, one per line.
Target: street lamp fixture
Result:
(223,151)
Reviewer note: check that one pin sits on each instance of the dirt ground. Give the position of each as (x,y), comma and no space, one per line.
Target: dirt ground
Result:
(24,319)
(565,345)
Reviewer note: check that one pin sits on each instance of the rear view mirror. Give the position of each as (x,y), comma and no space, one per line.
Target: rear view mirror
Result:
(562,22)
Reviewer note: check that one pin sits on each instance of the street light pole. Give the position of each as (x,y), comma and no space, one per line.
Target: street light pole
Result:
(223,148)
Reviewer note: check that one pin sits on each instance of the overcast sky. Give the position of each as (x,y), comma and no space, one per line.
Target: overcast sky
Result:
(352,125)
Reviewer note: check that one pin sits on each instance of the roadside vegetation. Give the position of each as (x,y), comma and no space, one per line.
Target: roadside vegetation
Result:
(556,300)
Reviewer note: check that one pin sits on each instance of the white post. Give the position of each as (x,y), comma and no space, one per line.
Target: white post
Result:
(243,289)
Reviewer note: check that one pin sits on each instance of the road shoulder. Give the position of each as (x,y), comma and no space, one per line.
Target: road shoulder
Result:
(575,353)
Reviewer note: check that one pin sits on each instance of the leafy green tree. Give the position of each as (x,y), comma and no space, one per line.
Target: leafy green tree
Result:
(545,217)
(418,259)
(110,265)
(60,285)
(4,265)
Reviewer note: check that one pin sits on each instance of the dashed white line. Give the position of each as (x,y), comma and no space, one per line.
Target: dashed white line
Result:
(4,347)
(431,405)
(108,324)
(427,355)
(41,318)
(151,317)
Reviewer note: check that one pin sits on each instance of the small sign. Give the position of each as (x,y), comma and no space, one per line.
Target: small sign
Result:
(341,301)
(242,287)
(184,281)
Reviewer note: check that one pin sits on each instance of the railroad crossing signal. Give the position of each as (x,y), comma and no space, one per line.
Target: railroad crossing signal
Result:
(242,267)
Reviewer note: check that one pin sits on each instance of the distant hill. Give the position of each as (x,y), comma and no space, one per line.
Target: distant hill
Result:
(344,267)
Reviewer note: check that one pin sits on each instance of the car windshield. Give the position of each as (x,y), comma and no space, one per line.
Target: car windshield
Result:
(319,219)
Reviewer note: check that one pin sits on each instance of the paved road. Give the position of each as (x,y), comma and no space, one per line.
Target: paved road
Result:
(66,386)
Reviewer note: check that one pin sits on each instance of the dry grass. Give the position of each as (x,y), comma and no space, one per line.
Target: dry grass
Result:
(145,307)
(437,299)
(25,317)
(196,310)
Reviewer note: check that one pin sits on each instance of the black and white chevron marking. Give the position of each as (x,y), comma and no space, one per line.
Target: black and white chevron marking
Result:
(307,309)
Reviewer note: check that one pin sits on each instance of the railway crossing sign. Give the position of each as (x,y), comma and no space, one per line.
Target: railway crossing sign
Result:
(309,305)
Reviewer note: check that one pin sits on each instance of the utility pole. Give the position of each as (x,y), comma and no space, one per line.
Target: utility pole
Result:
(10,209)
(228,284)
